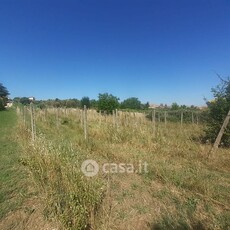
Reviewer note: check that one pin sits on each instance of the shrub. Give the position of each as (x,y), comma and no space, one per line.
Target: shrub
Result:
(2,107)
(217,110)
(107,102)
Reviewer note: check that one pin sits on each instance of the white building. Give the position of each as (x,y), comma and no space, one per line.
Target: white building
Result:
(9,104)
(32,98)
(153,106)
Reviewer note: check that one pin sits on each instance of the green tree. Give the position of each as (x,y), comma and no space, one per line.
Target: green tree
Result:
(24,100)
(107,102)
(175,106)
(72,103)
(217,110)
(3,91)
(131,103)
(93,103)
(85,101)
(146,106)
(16,100)
(183,107)
(3,96)
(2,106)
(56,103)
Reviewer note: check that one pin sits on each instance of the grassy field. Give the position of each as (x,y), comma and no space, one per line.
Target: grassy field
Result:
(11,175)
(20,208)
(183,188)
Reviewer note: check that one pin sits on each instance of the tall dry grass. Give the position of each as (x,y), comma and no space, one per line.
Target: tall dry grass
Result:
(183,188)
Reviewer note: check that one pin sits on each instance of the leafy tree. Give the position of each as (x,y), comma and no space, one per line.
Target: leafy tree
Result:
(183,107)
(107,102)
(145,106)
(85,101)
(2,106)
(93,103)
(175,106)
(3,91)
(193,107)
(3,96)
(131,103)
(76,103)
(24,100)
(16,100)
(72,103)
(217,110)
(57,103)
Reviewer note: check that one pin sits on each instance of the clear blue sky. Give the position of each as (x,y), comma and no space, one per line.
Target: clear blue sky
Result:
(161,51)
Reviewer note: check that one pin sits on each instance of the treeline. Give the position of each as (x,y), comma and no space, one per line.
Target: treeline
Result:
(105,102)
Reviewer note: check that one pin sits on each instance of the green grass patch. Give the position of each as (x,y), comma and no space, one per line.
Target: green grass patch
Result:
(12,190)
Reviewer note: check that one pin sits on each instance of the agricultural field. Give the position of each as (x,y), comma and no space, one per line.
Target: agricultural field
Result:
(114,115)
(152,174)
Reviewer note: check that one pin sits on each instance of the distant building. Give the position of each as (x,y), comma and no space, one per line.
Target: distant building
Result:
(203,107)
(9,104)
(32,98)
(153,106)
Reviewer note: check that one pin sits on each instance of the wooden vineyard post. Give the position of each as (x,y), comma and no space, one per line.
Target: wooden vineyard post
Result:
(181,118)
(116,118)
(105,115)
(224,126)
(44,114)
(57,118)
(192,118)
(114,123)
(154,121)
(165,114)
(24,115)
(85,123)
(82,117)
(79,115)
(159,117)
(33,127)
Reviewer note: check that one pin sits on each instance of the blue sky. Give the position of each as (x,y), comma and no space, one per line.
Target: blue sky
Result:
(161,51)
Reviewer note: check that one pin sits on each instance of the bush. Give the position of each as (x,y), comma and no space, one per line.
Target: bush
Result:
(2,107)
(85,101)
(131,103)
(217,111)
(107,102)
(3,96)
